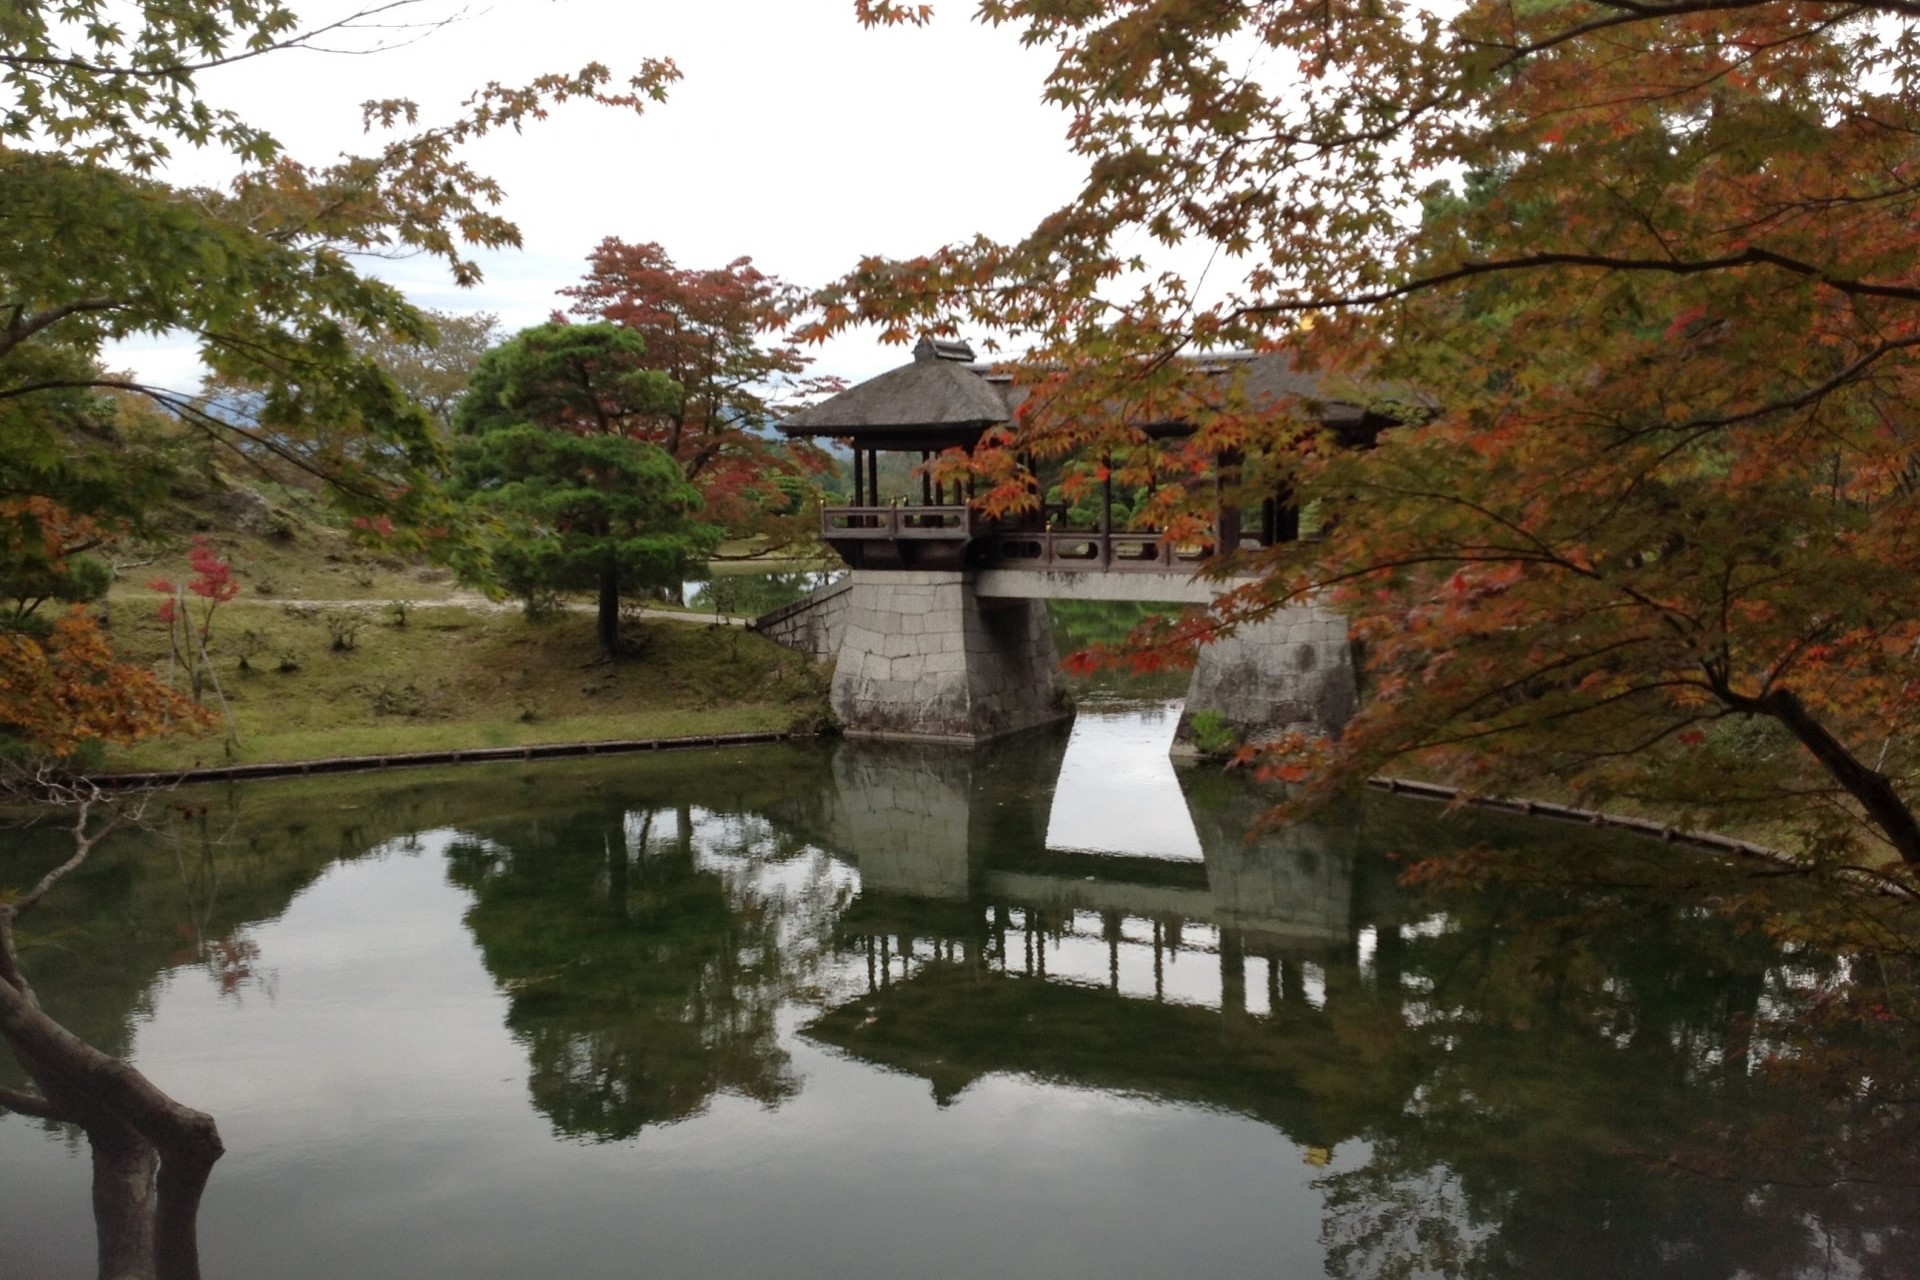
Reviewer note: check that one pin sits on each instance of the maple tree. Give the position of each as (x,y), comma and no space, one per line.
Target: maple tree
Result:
(1638,281)
(62,691)
(261,272)
(213,585)
(715,332)
(552,445)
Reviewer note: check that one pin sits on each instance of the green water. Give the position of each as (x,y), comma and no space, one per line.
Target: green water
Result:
(866,1010)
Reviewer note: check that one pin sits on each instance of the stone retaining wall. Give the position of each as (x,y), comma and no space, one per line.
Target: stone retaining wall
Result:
(812,624)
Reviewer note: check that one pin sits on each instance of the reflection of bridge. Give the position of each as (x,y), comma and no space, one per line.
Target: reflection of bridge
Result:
(987,952)
(935,825)
(939,633)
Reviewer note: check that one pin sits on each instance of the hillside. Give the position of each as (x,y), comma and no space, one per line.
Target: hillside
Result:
(334,649)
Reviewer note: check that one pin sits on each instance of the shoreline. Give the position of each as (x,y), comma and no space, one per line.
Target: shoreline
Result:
(420,759)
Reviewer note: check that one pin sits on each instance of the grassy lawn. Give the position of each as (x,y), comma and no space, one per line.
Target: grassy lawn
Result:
(306,682)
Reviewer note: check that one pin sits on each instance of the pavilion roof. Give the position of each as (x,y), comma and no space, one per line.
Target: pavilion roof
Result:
(944,399)
(933,398)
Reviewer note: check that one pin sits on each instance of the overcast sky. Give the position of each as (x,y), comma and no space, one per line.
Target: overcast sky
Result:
(797,138)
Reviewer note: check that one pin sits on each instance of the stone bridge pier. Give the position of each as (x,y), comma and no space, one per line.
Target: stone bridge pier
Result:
(922,654)
(1292,672)
(969,655)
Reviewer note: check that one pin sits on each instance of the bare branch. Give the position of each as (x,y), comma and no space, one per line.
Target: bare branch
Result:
(1750,257)
(23,326)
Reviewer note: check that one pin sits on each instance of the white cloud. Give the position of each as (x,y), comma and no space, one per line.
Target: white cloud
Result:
(797,138)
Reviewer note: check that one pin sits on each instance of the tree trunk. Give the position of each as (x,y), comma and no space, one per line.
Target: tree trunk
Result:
(124,1165)
(1883,804)
(184,1170)
(609,610)
(146,1222)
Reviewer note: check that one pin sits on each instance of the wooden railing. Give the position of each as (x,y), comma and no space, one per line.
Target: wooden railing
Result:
(903,522)
(996,547)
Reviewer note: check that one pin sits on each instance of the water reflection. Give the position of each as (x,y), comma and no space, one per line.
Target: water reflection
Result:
(1118,791)
(646,953)
(805,960)
(1531,1085)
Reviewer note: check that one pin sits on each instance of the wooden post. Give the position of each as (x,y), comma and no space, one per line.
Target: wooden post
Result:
(1106,512)
(926,480)
(859,480)
(1226,487)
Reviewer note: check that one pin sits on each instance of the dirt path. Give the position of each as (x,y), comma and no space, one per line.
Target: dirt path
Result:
(475,601)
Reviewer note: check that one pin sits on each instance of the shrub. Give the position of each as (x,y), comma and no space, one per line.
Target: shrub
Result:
(1213,733)
(343,628)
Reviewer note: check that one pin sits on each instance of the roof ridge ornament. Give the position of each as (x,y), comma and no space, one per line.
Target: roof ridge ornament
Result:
(929,348)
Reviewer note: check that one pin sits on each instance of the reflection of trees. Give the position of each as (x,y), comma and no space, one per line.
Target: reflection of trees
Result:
(1600,1091)
(182,891)
(642,983)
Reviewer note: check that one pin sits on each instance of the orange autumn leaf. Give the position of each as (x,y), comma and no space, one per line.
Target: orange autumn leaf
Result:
(66,689)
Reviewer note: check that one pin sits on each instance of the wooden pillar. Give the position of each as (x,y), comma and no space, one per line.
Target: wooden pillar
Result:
(1293,986)
(1279,518)
(926,480)
(1159,963)
(1106,511)
(1226,488)
(859,479)
(1110,925)
(873,476)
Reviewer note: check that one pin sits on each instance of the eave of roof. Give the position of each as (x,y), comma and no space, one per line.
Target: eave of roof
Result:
(942,402)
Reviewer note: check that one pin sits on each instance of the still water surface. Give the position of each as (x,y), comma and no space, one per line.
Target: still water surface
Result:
(864,1010)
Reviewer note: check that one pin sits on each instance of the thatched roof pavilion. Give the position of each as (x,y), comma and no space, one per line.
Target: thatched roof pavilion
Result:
(944,400)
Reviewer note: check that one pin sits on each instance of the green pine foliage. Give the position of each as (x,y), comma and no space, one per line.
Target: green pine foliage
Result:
(577,501)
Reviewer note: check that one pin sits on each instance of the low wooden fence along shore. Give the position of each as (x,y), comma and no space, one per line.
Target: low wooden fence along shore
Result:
(417,759)
(1864,877)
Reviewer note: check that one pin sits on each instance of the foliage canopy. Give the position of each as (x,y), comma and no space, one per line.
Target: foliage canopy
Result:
(94,97)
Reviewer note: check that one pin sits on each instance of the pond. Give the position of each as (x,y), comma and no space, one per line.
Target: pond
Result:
(861,1009)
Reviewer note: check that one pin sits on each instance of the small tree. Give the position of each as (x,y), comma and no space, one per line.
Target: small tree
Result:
(435,372)
(716,332)
(550,449)
(213,585)
(62,691)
